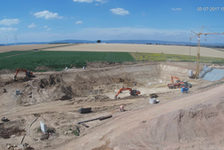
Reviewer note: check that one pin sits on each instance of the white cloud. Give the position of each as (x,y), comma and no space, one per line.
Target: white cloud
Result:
(119,11)
(130,33)
(176,9)
(90,1)
(101,1)
(83,1)
(9,22)
(47,28)
(3,29)
(79,22)
(47,15)
(32,25)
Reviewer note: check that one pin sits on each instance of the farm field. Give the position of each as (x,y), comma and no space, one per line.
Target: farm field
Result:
(156,57)
(142,48)
(58,60)
(29,47)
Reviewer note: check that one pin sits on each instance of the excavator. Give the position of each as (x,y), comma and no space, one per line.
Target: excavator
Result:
(132,92)
(178,83)
(29,74)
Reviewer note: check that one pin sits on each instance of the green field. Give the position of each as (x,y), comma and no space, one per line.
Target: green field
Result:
(55,60)
(58,60)
(159,57)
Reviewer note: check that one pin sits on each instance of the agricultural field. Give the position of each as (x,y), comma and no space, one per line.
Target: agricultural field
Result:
(153,57)
(58,60)
(143,48)
(29,47)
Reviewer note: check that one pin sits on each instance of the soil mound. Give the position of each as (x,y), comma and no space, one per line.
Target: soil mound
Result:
(15,128)
(197,128)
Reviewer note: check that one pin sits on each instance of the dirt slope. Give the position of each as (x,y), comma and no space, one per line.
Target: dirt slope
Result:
(193,122)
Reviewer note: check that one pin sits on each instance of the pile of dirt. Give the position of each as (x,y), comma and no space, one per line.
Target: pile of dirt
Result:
(56,87)
(50,88)
(199,127)
(101,64)
(16,128)
(51,81)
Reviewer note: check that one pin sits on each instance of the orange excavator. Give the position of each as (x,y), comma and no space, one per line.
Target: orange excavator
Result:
(29,74)
(178,83)
(132,92)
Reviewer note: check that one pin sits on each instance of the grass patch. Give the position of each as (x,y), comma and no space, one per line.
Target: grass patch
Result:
(58,60)
(160,57)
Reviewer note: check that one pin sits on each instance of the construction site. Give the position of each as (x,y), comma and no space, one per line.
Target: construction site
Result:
(111,75)
(102,106)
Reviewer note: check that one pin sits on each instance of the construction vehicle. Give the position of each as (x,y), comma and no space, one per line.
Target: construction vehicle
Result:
(178,83)
(29,74)
(132,92)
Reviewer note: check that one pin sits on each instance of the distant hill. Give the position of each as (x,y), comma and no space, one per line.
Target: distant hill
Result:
(71,41)
(149,42)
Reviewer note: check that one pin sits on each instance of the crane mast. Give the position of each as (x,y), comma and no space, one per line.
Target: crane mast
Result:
(198,52)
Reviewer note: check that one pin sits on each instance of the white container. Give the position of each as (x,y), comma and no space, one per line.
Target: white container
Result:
(153,101)
(43,127)
(190,73)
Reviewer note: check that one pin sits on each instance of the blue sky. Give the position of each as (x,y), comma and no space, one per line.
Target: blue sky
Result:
(49,20)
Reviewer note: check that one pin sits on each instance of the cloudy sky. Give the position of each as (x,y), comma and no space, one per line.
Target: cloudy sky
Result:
(169,20)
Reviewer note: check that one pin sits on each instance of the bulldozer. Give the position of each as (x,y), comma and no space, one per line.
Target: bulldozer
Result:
(178,83)
(29,74)
(132,92)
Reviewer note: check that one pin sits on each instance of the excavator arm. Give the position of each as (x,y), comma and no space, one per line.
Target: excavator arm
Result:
(28,74)
(176,78)
(132,92)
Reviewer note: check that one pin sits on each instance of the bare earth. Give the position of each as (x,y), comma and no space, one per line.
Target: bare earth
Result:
(166,49)
(192,121)
(28,47)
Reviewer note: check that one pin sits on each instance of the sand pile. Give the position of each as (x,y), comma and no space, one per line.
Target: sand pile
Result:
(197,128)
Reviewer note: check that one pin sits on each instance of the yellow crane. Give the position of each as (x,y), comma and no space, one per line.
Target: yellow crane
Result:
(198,53)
